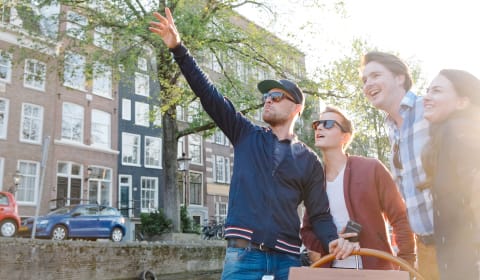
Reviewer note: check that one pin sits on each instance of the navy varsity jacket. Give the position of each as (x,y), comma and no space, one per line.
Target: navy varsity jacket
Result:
(264,196)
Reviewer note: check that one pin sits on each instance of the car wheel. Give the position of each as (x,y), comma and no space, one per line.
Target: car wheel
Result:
(117,235)
(8,228)
(59,232)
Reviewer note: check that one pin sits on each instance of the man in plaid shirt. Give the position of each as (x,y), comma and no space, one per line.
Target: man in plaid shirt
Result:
(386,84)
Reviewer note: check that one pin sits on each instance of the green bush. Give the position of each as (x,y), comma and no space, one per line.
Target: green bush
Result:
(155,223)
(188,226)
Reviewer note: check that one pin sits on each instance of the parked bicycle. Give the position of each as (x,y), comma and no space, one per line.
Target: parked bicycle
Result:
(213,230)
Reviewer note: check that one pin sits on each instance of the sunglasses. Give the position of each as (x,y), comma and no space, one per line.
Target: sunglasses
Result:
(327,124)
(276,96)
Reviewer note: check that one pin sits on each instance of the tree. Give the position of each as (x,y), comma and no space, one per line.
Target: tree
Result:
(240,50)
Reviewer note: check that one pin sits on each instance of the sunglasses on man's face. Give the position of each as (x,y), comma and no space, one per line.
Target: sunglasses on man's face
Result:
(327,124)
(276,96)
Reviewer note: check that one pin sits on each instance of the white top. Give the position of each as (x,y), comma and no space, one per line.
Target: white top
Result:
(338,209)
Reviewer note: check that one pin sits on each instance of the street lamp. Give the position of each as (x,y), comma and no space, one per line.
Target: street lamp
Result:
(184,165)
(16,181)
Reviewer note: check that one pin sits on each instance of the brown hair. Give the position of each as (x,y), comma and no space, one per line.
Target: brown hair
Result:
(465,85)
(393,63)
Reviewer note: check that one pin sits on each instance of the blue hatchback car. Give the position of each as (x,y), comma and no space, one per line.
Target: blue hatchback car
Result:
(89,221)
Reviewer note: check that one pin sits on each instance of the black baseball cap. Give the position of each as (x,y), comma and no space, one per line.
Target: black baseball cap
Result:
(286,85)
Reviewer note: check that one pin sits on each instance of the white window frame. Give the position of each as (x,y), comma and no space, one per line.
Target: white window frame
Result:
(195,148)
(2,168)
(34,76)
(180,146)
(102,37)
(27,189)
(157,121)
(142,84)
(126,109)
(148,194)
(154,152)
(101,129)
(142,114)
(31,122)
(142,64)
(102,80)
(221,169)
(4,118)
(74,71)
(100,184)
(132,148)
(72,119)
(221,217)
(5,66)
(193,111)
(76,24)
(180,113)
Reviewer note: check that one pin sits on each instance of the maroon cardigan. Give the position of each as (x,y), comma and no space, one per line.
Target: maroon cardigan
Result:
(372,199)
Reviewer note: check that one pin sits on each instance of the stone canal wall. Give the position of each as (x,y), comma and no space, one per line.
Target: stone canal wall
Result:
(22,258)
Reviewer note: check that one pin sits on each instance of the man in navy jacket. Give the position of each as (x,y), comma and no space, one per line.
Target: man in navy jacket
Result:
(273,173)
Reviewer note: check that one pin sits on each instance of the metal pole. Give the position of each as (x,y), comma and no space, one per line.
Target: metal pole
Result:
(46,142)
(186,188)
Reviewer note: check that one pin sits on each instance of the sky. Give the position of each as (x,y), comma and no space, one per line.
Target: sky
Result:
(435,33)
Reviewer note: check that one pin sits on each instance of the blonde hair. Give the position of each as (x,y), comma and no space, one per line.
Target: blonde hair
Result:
(345,122)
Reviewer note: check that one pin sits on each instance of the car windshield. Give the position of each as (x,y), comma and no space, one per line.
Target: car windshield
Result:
(59,211)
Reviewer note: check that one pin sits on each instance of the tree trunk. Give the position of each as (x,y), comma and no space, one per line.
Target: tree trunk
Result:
(171,196)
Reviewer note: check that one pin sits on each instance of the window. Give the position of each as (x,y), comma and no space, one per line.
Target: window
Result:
(149,196)
(102,80)
(3,118)
(195,148)
(157,116)
(69,183)
(75,25)
(142,64)
(34,75)
(32,123)
(180,146)
(72,122)
(126,109)
(153,152)
(193,111)
(196,190)
(221,169)
(130,149)
(180,113)
(74,71)
(141,114)
(2,164)
(29,178)
(221,211)
(101,129)
(100,186)
(220,138)
(102,37)
(141,84)
(5,66)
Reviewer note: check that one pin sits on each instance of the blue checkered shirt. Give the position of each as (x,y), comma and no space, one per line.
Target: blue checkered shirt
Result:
(411,138)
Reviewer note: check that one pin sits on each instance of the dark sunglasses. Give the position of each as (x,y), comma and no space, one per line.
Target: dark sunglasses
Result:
(327,124)
(276,96)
